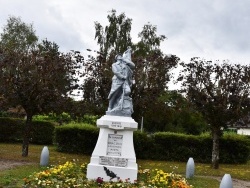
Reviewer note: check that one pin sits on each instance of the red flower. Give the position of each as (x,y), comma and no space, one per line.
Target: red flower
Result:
(99,180)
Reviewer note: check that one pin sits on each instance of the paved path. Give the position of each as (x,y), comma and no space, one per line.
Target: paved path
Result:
(236,183)
(8,164)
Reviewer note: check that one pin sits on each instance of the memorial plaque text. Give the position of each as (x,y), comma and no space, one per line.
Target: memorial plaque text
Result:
(114,145)
(112,161)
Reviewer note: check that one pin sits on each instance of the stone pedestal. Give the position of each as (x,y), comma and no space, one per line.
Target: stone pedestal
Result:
(114,156)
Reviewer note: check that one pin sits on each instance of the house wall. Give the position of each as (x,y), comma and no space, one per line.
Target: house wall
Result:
(243,131)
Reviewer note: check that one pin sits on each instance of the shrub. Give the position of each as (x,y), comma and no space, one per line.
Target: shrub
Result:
(143,145)
(179,147)
(52,117)
(234,149)
(159,146)
(89,119)
(11,130)
(42,132)
(76,138)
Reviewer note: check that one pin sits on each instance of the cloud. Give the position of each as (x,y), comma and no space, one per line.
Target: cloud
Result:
(211,28)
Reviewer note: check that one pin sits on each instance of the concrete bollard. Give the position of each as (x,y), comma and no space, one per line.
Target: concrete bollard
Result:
(190,168)
(44,160)
(226,181)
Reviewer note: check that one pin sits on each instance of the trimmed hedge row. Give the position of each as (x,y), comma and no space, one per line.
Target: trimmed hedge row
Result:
(11,130)
(76,138)
(159,146)
(179,147)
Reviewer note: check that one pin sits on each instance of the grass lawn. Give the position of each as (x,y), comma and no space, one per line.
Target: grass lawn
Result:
(14,177)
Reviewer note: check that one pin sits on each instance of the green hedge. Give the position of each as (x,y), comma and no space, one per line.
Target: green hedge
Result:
(234,149)
(159,146)
(11,130)
(179,147)
(143,145)
(76,138)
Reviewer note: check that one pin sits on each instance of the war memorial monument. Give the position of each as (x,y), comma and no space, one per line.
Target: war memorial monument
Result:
(114,158)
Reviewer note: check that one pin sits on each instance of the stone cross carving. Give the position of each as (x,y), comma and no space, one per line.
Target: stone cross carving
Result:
(120,104)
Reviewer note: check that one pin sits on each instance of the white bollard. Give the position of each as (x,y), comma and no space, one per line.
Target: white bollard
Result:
(44,160)
(226,181)
(190,168)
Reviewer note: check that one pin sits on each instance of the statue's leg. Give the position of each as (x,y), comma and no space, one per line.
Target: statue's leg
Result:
(114,98)
(127,90)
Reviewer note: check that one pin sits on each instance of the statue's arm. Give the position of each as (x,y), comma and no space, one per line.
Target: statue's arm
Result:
(117,72)
(129,63)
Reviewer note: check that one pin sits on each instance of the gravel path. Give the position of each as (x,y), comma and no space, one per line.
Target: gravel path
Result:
(8,164)
(236,183)
(241,184)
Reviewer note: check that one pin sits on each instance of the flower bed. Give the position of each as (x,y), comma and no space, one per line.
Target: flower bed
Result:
(71,175)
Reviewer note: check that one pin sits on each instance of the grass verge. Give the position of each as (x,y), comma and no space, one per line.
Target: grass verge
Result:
(14,177)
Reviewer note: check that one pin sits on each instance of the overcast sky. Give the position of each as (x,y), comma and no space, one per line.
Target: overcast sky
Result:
(211,29)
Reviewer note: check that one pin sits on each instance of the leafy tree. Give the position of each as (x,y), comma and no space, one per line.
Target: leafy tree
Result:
(181,116)
(112,39)
(115,38)
(34,75)
(3,105)
(151,74)
(219,91)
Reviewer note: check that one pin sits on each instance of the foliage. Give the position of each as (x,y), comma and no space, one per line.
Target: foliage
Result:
(174,114)
(37,80)
(60,118)
(219,91)
(18,36)
(11,130)
(143,145)
(114,39)
(34,75)
(151,74)
(89,119)
(233,147)
(73,175)
(149,40)
(66,118)
(3,114)
(116,36)
(179,147)
(159,146)
(81,138)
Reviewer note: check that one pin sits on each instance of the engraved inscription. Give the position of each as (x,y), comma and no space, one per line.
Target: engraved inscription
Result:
(111,161)
(114,145)
(116,125)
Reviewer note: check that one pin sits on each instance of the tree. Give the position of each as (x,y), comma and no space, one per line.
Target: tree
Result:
(34,75)
(112,39)
(181,116)
(151,74)
(219,91)
(115,38)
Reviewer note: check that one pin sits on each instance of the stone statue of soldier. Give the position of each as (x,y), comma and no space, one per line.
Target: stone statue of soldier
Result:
(120,104)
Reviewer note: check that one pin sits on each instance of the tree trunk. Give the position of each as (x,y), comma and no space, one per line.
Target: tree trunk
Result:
(215,151)
(26,137)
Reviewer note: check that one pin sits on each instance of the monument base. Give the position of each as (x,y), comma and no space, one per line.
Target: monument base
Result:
(111,173)
(113,158)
